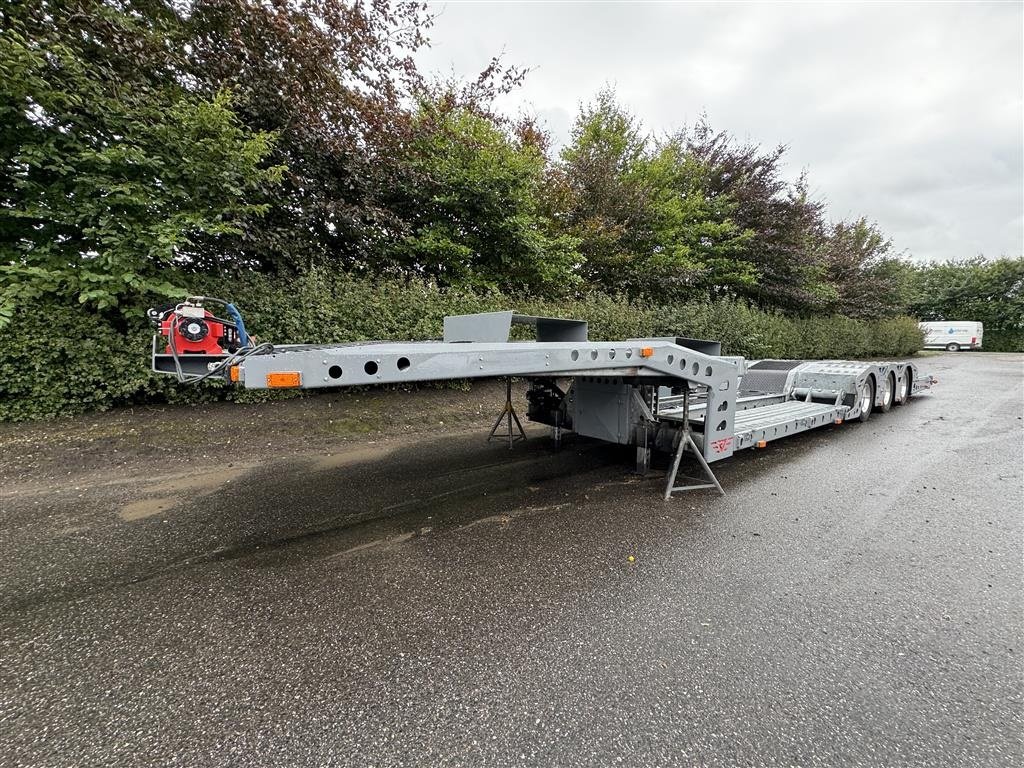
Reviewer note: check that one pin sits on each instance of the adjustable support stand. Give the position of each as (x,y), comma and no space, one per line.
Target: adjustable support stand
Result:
(509,413)
(643,445)
(686,443)
(556,431)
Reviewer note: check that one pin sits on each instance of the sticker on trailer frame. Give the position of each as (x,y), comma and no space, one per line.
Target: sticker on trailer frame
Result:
(720,446)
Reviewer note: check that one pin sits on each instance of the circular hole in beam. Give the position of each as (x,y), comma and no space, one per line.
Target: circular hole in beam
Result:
(403,363)
(334,371)
(370,368)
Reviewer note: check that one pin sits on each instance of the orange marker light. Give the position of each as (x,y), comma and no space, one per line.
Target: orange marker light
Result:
(646,351)
(234,373)
(839,421)
(762,443)
(284,379)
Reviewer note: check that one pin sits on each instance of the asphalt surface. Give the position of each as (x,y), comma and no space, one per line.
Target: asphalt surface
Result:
(854,599)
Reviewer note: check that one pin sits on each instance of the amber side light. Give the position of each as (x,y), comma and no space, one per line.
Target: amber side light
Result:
(284,379)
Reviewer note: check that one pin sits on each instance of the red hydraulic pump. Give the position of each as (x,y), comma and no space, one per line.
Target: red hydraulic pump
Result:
(200,344)
(193,330)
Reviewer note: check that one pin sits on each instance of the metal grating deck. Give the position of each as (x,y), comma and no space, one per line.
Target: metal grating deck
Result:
(762,425)
(770,422)
(780,415)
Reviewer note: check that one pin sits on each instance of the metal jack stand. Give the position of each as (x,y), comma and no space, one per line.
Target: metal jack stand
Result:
(686,443)
(508,412)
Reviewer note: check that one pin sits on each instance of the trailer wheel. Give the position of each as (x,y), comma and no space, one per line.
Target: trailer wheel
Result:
(906,387)
(867,399)
(888,393)
(952,347)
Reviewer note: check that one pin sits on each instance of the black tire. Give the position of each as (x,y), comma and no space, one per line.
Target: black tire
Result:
(906,388)
(888,398)
(952,347)
(867,404)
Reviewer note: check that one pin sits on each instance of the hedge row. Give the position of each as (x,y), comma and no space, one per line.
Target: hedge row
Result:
(58,359)
(996,340)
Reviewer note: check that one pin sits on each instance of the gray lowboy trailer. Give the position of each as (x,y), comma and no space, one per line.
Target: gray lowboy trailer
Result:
(672,394)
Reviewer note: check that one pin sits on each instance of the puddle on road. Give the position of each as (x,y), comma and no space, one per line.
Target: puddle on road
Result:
(139,510)
(383,499)
(387,541)
(422,495)
(179,489)
(380,497)
(350,457)
(501,521)
(368,499)
(200,481)
(498,523)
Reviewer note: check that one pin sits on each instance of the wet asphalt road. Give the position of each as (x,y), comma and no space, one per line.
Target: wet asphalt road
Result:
(855,599)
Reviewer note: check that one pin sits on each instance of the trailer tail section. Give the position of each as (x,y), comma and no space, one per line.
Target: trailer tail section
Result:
(673,394)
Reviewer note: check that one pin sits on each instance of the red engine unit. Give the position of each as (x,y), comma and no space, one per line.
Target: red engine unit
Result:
(195,335)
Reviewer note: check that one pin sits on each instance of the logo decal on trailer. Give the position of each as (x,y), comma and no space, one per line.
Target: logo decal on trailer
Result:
(718,446)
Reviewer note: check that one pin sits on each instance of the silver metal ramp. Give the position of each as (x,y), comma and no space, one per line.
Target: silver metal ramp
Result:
(782,419)
(770,422)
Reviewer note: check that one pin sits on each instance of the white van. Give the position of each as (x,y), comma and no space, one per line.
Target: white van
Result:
(952,335)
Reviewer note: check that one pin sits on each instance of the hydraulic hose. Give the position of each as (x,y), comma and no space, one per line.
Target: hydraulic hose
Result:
(235,315)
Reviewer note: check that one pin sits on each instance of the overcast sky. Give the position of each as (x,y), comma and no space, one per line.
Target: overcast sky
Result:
(909,114)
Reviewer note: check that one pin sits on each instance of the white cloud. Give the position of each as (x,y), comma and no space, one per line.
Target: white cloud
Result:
(909,114)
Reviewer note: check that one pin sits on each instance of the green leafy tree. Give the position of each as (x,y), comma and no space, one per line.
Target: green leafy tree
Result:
(642,213)
(474,217)
(331,79)
(112,170)
(599,197)
(868,282)
(786,225)
(697,248)
(990,291)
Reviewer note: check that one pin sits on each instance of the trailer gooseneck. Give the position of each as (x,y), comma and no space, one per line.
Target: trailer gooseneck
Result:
(668,393)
